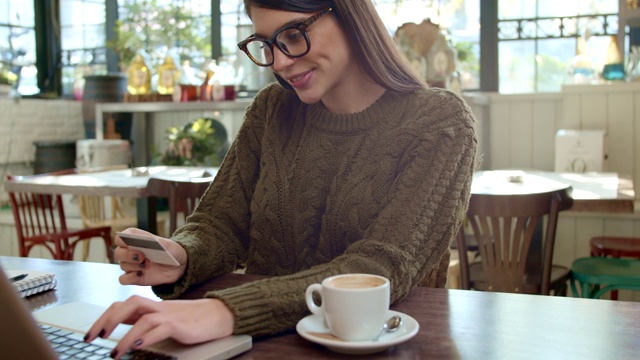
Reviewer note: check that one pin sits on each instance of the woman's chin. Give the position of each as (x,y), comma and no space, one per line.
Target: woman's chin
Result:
(307,98)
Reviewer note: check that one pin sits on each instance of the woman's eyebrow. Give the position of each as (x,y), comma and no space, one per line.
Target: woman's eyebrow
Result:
(287,24)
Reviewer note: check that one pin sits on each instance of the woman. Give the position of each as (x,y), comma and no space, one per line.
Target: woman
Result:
(349,165)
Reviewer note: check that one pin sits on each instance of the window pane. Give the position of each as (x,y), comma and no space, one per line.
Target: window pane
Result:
(551,31)
(552,63)
(517,66)
(83,41)
(458,19)
(18,43)
(516,9)
(598,7)
(554,8)
(21,13)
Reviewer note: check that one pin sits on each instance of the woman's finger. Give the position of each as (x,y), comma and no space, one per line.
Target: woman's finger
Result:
(148,330)
(125,312)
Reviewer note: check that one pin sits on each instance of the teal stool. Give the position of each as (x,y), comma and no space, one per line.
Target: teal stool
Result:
(598,275)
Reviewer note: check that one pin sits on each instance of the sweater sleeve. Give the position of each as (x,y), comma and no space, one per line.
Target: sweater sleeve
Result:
(409,238)
(216,235)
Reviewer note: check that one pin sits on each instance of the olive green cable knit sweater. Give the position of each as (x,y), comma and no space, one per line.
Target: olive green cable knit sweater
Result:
(304,194)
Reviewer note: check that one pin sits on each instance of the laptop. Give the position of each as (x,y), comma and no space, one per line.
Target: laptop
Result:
(22,334)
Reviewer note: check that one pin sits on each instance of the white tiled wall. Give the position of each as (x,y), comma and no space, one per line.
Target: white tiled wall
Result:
(24,121)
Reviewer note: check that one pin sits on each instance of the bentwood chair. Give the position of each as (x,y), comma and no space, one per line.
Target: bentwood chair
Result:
(98,210)
(101,211)
(595,276)
(515,236)
(40,221)
(615,247)
(183,196)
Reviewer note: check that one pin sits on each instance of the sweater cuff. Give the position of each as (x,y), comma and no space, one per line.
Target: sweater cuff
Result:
(250,307)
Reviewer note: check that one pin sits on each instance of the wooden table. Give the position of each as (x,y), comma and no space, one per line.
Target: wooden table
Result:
(591,192)
(454,324)
(121,183)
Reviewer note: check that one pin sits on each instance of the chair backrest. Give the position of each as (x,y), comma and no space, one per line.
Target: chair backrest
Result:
(95,210)
(515,235)
(183,196)
(36,215)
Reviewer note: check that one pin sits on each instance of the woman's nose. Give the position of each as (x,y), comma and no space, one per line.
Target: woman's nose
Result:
(280,60)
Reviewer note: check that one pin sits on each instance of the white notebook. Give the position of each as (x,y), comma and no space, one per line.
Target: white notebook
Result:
(35,281)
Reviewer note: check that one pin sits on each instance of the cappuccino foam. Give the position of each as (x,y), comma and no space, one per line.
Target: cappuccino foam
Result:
(356,282)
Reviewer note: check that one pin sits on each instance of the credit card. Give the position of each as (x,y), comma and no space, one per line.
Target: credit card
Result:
(150,247)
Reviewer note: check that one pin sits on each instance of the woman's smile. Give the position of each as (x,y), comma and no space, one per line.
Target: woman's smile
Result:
(301,80)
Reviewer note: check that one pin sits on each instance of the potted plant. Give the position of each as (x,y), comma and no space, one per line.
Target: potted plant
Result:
(202,142)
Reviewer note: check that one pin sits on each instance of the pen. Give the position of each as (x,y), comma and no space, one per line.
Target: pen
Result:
(18,277)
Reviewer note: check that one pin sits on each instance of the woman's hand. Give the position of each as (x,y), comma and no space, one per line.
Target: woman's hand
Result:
(186,321)
(142,271)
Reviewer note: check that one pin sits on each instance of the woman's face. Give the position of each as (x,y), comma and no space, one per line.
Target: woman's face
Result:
(322,73)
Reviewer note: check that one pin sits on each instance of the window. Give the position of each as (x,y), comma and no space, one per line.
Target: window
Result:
(537,39)
(83,42)
(18,43)
(161,26)
(459,19)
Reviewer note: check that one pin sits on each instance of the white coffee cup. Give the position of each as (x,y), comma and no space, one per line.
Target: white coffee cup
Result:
(354,306)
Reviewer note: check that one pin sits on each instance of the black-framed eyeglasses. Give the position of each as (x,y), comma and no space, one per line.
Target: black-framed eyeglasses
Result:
(292,40)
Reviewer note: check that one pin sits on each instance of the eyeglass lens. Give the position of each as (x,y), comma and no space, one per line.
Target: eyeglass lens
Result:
(290,41)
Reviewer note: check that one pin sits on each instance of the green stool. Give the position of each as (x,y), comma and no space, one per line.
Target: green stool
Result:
(598,275)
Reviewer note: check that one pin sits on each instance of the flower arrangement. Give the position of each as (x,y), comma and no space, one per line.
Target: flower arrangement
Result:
(202,142)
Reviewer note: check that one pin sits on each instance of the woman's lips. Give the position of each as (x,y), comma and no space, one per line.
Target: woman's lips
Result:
(301,80)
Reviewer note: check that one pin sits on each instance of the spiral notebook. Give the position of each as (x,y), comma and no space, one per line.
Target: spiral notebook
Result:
(34,283)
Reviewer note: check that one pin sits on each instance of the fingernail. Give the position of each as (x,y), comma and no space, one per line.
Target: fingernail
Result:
(101,333)
(137,343)
(136,257)
(143,264)
(114,353)
(139,273)
(86,337)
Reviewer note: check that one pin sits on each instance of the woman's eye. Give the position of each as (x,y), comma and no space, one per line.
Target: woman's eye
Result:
(291,36)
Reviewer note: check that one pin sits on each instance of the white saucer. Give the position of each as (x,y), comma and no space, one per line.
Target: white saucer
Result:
(314,329)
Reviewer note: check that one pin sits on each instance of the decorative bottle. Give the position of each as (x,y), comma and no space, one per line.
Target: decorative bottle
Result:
(139,76)
(168,76)
(614,65)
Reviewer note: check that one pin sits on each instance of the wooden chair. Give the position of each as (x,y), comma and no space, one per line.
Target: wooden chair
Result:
(598,275)
(94,213)
(515,235)
(183,196)
(615,247)
(40,220)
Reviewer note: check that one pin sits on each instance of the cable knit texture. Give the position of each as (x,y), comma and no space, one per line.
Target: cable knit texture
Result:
(304,194)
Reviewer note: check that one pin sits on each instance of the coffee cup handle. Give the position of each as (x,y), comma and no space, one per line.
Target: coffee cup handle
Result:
(315,309)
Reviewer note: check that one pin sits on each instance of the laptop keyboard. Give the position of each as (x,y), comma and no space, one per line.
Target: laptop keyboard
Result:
(71,345)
